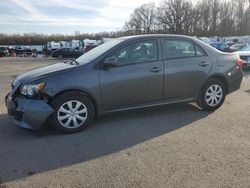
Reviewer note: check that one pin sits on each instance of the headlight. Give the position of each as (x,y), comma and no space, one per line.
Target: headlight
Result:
(30,90)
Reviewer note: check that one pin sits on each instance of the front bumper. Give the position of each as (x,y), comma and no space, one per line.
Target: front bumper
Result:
(27,113)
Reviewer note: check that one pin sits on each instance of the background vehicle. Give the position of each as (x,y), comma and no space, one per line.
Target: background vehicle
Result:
(4,52)
(66,53)
(235,47)
(244,54)
(205,39)
(27,52)
(126,73)
(51,47)
(89,47)
(219,46)
(19,51)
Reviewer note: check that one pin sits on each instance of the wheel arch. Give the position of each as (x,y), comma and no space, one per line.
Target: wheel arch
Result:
(221,78)
(87,94)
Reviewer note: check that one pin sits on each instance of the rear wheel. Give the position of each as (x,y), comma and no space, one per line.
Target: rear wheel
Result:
(73,112)
(212,95)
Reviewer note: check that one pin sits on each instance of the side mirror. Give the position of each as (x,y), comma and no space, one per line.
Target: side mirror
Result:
(110,61)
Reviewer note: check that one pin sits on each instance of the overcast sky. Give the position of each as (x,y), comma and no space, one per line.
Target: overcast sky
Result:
(65,16)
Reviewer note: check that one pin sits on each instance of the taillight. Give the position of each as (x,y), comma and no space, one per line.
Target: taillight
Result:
(240,62)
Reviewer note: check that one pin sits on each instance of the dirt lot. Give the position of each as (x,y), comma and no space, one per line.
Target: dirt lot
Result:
(171,146)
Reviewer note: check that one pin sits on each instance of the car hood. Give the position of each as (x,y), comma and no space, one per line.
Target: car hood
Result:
(43,72)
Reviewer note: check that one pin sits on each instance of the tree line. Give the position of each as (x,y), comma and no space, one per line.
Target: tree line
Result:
(41,39)
(203,18)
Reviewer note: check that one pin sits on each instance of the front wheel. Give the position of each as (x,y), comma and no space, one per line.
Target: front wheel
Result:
(73,112)
(212,95)
(60,57)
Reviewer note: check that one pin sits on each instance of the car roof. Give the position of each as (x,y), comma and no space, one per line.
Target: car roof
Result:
(156,35)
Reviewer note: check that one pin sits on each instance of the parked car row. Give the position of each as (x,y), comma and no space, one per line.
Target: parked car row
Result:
(71,52)
(235,47)
(18,51)
(25,52)
(240,48)
(54,48)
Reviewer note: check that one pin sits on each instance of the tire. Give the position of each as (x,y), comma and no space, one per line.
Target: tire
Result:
(59,57)
(73,112)
(212,95)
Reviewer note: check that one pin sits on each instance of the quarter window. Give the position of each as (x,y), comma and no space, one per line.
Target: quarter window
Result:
(137,52)
(199,51)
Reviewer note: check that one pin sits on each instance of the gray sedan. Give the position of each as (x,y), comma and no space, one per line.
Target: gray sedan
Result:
(125,73)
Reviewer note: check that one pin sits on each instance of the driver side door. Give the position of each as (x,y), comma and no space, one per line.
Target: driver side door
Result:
(136,79)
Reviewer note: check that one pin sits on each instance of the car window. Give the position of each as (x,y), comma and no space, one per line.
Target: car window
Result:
(199,51)
(137,52)
(175,48)
(71,50)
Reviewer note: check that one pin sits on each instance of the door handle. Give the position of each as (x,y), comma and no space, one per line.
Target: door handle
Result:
(203,64)
(156,69)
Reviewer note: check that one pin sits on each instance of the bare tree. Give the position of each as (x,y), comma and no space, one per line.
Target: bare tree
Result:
(143,19)
(204,7)
(246,20)
(175,16)
(215,10)
(240,4)
(227,19)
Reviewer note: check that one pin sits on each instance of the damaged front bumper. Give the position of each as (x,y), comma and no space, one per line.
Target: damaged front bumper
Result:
(28,113)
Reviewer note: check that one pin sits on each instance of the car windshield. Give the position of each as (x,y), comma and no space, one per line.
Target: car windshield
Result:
(96,52)
(246,48)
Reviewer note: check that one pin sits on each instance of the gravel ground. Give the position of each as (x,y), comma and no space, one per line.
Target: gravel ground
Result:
(171,146)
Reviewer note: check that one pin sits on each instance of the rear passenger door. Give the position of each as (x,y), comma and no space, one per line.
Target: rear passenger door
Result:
(186,68)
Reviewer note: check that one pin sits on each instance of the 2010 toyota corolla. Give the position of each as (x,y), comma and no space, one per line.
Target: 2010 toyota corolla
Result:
(122,74)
